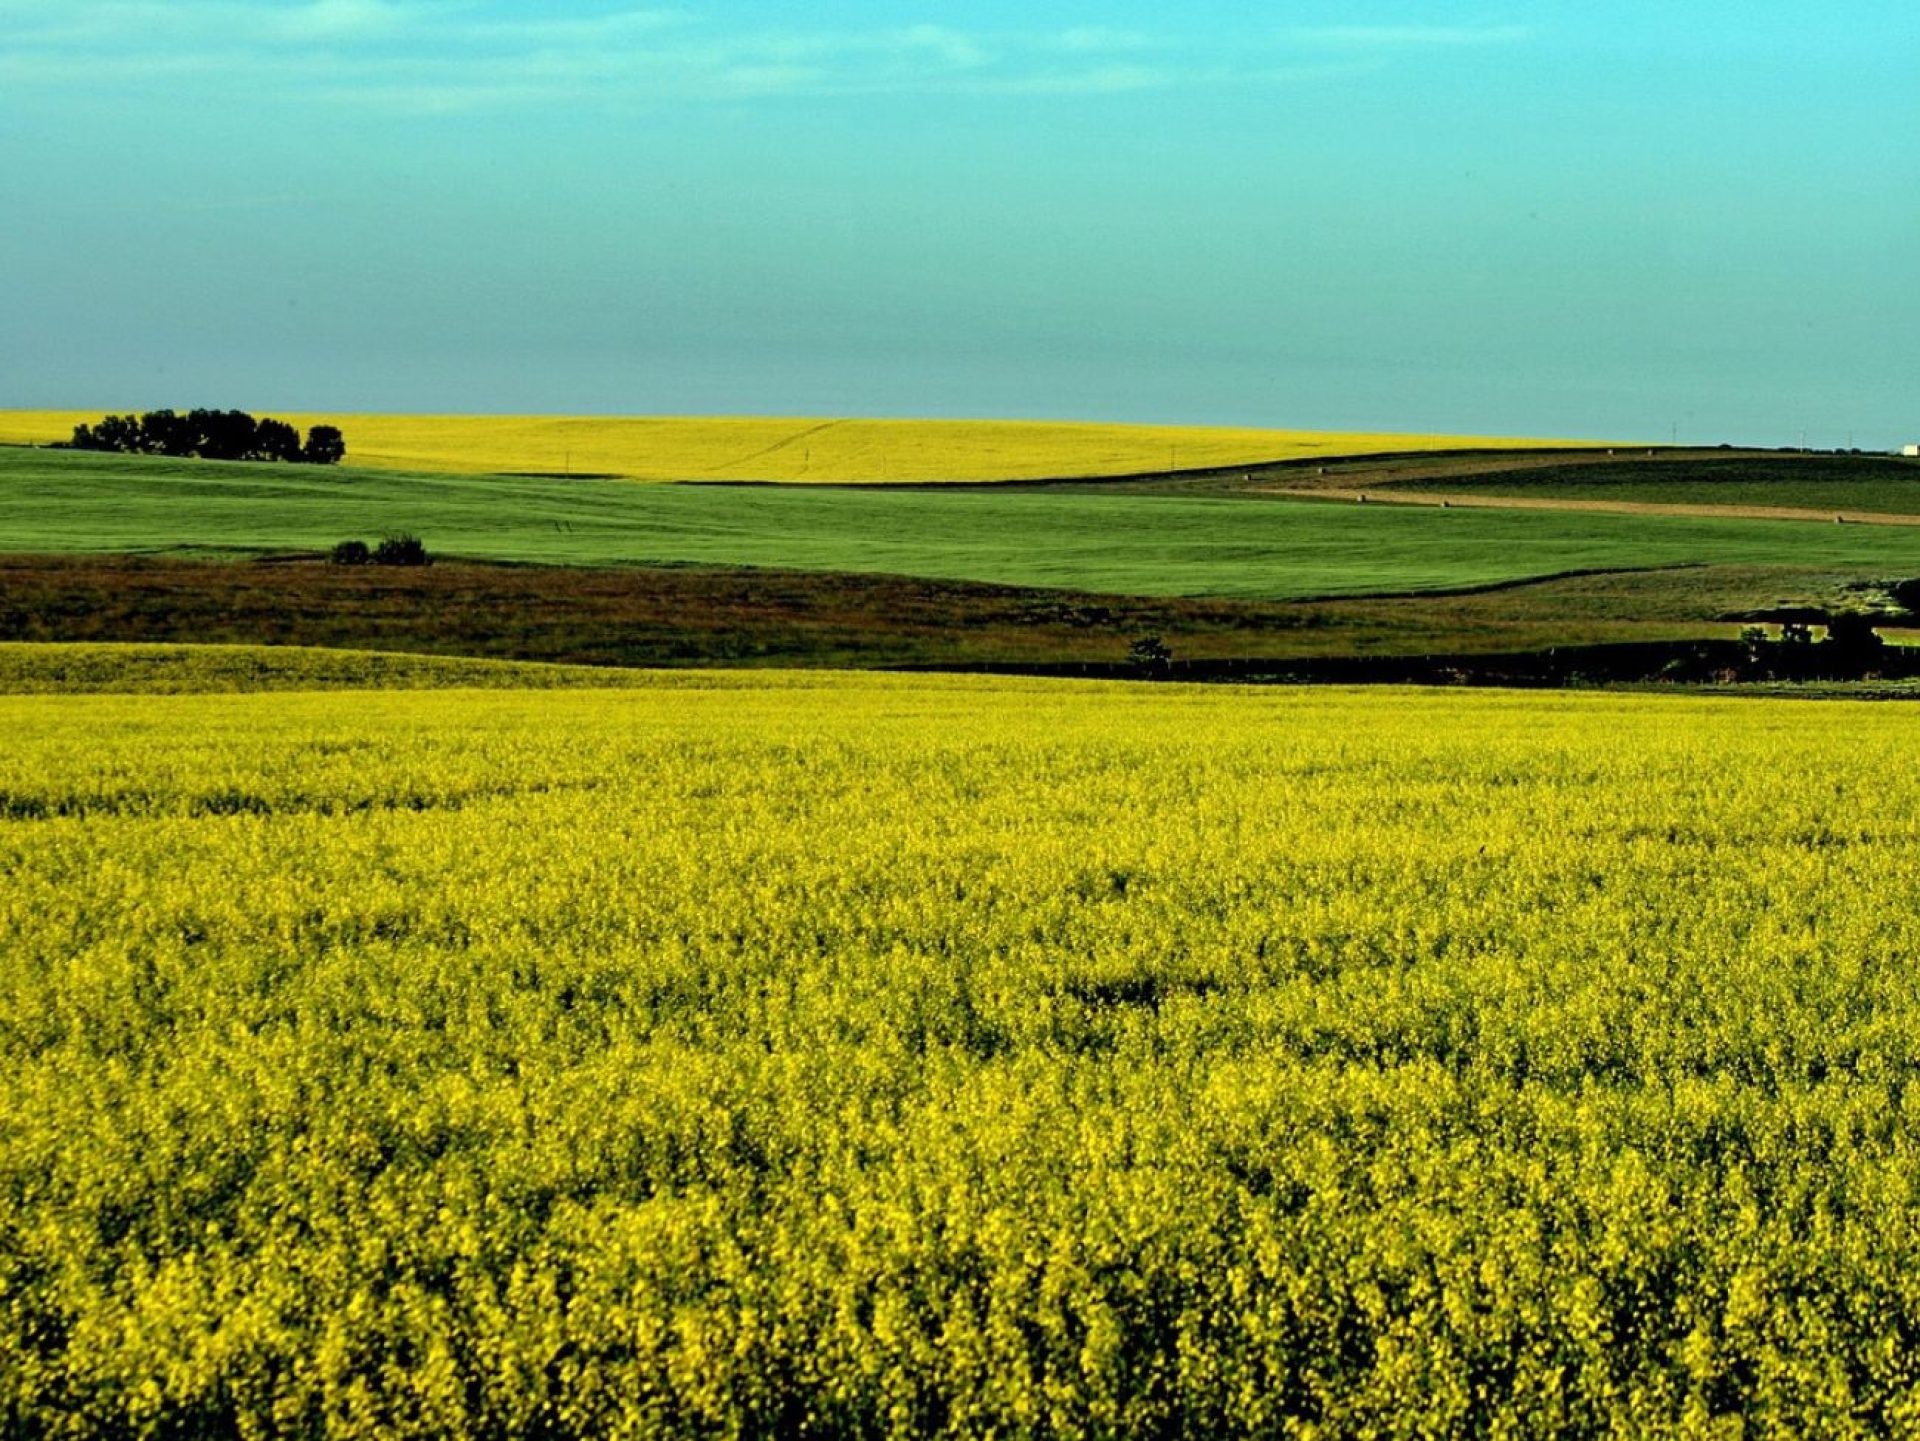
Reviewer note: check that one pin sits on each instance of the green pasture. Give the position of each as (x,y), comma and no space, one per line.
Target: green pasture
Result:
(1086,538)
(29,668)
(1840,484)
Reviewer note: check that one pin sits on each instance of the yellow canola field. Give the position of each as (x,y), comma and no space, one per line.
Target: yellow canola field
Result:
(900,1056)
(800,450)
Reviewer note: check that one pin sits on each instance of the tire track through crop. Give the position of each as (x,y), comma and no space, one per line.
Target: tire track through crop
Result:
(777,446)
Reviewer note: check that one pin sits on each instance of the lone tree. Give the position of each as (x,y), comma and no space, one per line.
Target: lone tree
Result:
(325,446)
(1150,656)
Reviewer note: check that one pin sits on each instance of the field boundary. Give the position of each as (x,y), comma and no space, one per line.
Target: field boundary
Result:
(1243,470)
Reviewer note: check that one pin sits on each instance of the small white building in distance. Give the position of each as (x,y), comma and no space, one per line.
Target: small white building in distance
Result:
(1910,450)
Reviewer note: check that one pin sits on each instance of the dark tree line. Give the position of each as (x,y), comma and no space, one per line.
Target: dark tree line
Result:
(211,435)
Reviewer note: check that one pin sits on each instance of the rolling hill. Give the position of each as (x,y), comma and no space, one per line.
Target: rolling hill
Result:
(800,450)
(1095,538)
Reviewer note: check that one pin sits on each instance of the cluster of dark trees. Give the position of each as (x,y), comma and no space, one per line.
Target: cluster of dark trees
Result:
(1849,632)
(1853,648)
(394,550)
(211,435)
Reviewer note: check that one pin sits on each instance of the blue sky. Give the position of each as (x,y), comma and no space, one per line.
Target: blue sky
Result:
(1630,220)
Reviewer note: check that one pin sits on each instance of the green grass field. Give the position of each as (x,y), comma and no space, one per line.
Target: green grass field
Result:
(1089,539)
(1838,484)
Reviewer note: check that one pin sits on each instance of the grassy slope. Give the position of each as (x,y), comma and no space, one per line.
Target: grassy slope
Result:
(679,615)
(1879,485)
(800,450)
(54,669)
(1168,545)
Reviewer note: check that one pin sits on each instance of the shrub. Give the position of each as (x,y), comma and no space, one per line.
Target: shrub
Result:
(401,550)
(351,552)
(1150,656)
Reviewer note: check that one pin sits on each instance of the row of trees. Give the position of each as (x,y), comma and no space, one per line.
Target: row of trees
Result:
(211,435)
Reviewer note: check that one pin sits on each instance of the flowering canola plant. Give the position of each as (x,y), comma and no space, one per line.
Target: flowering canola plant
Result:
(884,1056)
(800,451)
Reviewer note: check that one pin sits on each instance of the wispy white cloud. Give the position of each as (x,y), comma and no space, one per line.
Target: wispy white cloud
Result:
(337,20)
(1100,40)
(1407,37)
(440,56)
(148,26)
(947,47)
(615,28)
(1092,80)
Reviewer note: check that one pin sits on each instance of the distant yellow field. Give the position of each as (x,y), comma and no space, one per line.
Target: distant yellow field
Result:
(799,450)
